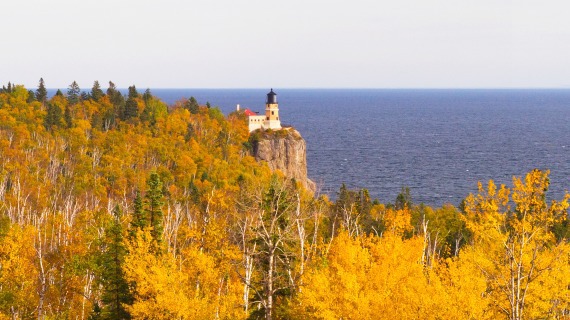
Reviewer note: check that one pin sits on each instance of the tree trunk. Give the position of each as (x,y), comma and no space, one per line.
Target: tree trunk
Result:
(269,285)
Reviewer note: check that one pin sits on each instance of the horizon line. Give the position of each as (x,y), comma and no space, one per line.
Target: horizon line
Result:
(330,88)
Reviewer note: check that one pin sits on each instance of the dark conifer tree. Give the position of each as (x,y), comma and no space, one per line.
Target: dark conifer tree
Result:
(73,93)
(139,221)
(192,105)
(67,117)
(53,116)
(41,92)
(59,93)
(118,102)
(153,206)
(31,96)
(131,109)
(147,114)
(131,106)
(133,93)
(96,92)
(147,96)
(96,121)
(115,287)
(112,89)
(404,199)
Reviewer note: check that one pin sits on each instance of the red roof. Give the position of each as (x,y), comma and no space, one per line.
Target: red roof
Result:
(249,113)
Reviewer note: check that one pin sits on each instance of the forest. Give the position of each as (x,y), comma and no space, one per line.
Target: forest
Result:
(118,206)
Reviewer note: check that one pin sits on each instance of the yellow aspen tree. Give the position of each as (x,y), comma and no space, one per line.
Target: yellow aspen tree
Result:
(18,273)
(156,282)
(515,249)
(371,278)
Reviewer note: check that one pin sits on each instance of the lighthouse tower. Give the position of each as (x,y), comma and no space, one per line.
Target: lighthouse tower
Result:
(272,112)
(268,121)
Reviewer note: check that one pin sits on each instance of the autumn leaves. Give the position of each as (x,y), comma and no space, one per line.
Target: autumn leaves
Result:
(214,235)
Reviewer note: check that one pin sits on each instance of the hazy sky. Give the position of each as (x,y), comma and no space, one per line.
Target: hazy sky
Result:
(287,43)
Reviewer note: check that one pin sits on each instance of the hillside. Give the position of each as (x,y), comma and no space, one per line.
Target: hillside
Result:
(121,207)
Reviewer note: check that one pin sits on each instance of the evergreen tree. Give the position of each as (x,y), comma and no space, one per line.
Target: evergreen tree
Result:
(133,93)
(96,121)
(73,93)
(117,100)
(153,206)
(59,93)
(147,113)
(131,106)
(112,90)
(192,105)
(131,109)
(139,221)
(31,96)
(96,92)
(53,116)
(404,199)
(41,92)
(115,288)
(67,117)
(147,96)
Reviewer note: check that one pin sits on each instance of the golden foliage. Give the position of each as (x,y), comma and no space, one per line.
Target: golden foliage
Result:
(503,257)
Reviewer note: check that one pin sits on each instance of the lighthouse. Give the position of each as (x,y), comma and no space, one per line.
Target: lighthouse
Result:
(271,118)
(272,112)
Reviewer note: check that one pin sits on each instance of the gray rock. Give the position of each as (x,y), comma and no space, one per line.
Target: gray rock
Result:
(284,150)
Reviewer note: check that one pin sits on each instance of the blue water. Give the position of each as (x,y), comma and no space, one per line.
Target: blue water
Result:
(437,142)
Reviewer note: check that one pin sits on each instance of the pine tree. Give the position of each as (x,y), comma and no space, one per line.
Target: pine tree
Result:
(147,96)
(139,221)
(115,288)
(31,96)
(153,206)
(112,89)
(131,106)
(404,199)
(131,109)
(96,92)
(53,116)
(67,117)
(133,93)
(192,105)
(73,93)
(117,100)
(41,92)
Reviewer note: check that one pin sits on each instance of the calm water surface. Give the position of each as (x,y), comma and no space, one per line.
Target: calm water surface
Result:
(437,142)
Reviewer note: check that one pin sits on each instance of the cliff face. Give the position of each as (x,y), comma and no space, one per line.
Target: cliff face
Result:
(284,150)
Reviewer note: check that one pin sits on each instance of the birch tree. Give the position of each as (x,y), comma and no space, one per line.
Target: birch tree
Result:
(515,249)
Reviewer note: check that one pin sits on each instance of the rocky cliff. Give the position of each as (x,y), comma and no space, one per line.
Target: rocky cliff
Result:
(283,150)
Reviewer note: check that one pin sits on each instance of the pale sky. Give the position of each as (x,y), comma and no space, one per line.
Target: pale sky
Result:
(287,44)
